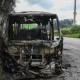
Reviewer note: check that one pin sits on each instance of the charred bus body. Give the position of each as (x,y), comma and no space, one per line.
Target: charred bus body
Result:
(31,38)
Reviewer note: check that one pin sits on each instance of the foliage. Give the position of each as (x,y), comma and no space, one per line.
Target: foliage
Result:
(75,29)
(72,35)
(7,5)
(65,32)
(55,32)
(66,23)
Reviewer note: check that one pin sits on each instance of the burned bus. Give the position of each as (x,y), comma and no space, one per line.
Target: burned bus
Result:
(31,39)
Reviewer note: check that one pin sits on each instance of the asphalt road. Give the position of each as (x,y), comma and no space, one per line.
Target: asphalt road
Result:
(71,61)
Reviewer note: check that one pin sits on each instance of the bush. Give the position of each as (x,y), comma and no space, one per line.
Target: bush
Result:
(55,33)
(65,31)
(75,29)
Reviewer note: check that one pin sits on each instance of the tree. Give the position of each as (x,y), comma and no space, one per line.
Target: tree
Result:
(7,5)
(66,22)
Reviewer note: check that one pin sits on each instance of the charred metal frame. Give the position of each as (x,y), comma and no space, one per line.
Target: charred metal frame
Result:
(51,49)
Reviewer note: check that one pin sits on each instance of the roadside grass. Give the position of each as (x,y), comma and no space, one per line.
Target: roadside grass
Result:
(73,31)
(72,35)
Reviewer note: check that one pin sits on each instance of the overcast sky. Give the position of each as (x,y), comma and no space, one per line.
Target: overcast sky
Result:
(63,8)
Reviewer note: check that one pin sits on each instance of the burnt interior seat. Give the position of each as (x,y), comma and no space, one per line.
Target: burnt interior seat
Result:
(22,34)
(27,34)
(43,34)
(31,34)
(34,34)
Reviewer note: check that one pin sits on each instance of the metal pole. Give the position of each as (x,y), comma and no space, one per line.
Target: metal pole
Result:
(75,12)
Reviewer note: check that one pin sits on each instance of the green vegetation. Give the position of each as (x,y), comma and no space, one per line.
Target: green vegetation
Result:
(73,31)
(73,35)
(65,31)
(29,26)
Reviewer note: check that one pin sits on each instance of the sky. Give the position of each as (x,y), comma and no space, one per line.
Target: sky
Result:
(63,8)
